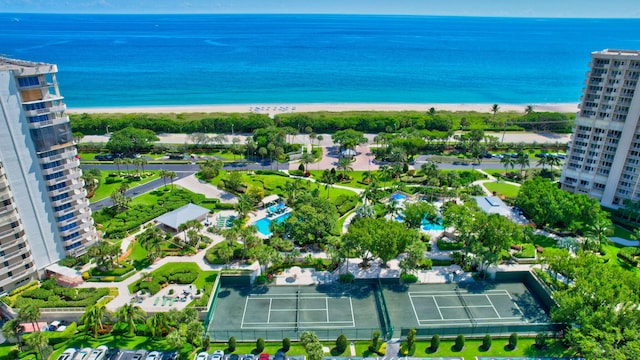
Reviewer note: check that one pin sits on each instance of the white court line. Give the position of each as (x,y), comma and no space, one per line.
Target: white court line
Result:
(466,320)
(288,310)
(326,306)
(269,314)
(353,319)
(414,308)
(514,303)
(462,306)
(246,301)
(452,292)
(494,307)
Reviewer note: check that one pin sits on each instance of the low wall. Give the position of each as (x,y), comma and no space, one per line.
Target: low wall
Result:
(537,288)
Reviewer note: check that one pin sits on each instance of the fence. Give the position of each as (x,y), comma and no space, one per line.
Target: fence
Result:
(212,300)
(279,334)
(482,330)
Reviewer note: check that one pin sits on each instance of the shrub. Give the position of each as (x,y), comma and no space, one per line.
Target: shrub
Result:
(286,344)
(341,344)
(541,341)
(260,345)
(435,343)
(513,341)
(408,278)
(486,342)
(449,245)
(261,279)
(382,350)
(346,278)
(411,340)
(459,343)
(232,344)
(373,347)
(205,343)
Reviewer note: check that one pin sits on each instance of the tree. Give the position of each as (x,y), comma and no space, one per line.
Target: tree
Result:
(13,330)
(259,345)
(38,341)
(286,344)
(312,220)
(348,139)
(341,344)
(91,179)
(507,161)
(265,254)
(158,324)
(130,315)
(435,343)
(231,345)
(117,162)
(513,341)
(459,343)
(171,175)
(494,110)
(600,230)
(130,140)
(93,318)
(175,340)
(305,160)
(416,213)
(328,178)
(30,312)
(312,345)
(233,180)
(486,342)
(523,160)
(529,110)
(344,164)
(194,330)
(245,206)
(411,339)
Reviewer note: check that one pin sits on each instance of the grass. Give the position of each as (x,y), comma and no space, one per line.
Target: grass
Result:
(274,184)
(502,188)
(611,252)
(356,178)
(204,280)
(105,190)
(139,256)
(472,349)
(250,348)
(341,220)
(621,232)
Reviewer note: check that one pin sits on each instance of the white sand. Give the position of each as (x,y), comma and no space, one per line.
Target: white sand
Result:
(284,108)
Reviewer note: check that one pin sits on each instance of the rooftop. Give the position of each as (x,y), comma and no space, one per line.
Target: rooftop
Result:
(180,216)
(20,65)
(493,205)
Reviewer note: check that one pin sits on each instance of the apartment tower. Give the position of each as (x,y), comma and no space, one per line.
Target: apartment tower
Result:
(604,153)
(44,213)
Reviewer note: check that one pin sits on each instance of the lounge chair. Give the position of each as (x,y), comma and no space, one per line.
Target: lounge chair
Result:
(155,303)
(164,301)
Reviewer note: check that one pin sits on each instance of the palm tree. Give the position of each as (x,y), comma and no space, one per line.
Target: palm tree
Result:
(175,339)
(528,110)
(130,315)
(117,162)
(600,230)
(164,174)
(306,159)
(93,317)
(344,164)
(127,162)
(543,161)
(494,109)
(523,160)
(12,329)
(171,175)
(507,161)
(158,324)
(141,162)
(244,206)
(553,161)
(30,313)
(122,189)
(40,342)
(328,178)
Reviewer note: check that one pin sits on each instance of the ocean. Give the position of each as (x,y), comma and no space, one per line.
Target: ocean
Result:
(136,60)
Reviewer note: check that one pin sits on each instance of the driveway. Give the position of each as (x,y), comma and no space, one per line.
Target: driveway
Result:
(192,183)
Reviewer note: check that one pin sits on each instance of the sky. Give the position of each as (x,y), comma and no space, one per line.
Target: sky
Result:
(499,8)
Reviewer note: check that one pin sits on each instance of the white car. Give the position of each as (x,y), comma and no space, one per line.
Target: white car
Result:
(218,355)
(154,355)
(67,354)
(202,356)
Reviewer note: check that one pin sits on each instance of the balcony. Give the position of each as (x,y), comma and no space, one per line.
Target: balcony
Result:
(7,208)
(52,121)
(12,231)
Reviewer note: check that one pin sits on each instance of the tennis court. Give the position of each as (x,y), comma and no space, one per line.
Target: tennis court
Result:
(465,308)
(274,312)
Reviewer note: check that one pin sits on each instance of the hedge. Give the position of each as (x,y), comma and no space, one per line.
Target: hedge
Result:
(60,297)
(448,245)
(627,254)
(125,268)
(344,203)
(166,276)
(528,251)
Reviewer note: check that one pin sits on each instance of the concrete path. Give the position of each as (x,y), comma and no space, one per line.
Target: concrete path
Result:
(198,186)
(625,242)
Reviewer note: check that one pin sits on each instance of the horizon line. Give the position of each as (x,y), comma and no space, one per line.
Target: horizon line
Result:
(325,14)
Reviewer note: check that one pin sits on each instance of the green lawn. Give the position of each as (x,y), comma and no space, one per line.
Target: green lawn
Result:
(622,233)
(139,257)
(356,176)
(105,190)
(502,188)
(274,184)
(204,280)
(341,220)
(472,349)
(611,251)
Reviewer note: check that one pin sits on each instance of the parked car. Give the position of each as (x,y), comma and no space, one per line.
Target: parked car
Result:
(140,355)
(154,355)
(264,356)
(202,356)
(248,357)
(218,355)
(67,354)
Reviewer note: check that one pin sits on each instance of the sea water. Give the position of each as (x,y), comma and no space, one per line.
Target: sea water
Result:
(133,60)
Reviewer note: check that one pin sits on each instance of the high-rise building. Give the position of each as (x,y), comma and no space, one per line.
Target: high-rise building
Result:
(44,212)
(603,158)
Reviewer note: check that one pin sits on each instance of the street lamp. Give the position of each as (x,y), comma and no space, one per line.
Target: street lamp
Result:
(107,130)
(232,129)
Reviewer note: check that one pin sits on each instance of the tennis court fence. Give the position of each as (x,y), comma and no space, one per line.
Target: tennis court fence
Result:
(279,334)
(481,330)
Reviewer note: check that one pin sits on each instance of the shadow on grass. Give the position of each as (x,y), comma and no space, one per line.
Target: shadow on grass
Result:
(142,263)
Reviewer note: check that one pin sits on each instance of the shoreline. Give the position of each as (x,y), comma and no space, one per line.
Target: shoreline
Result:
(273,109)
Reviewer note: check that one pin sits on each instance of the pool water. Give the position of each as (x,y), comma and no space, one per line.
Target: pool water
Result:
(427,225)
(264,223)
(398,196)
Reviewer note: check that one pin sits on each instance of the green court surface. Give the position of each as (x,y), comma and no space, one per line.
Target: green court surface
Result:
(275,312)
(472,308)
(356,310)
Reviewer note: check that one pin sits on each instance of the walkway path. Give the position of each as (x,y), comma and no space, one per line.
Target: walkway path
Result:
(490,178)
(198,186)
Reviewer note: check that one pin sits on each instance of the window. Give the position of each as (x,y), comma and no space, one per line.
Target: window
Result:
(57,186)
(54,175)
(69,226)
(36,106)
(52,164)
(9,274)
(65,217)
(39,118)
(69,237)
(60,197)
(62,207)
(28,81)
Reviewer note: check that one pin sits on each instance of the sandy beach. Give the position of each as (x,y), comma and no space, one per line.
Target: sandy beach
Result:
(272,109)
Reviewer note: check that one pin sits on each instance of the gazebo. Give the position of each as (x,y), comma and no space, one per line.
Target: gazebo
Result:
(349,153)
(181,215)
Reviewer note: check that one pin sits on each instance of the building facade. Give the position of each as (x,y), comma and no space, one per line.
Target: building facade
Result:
(603,157)
(44,197)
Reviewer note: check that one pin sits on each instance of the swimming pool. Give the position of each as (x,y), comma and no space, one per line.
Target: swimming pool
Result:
(398,196)
(264,223)
(427,225)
